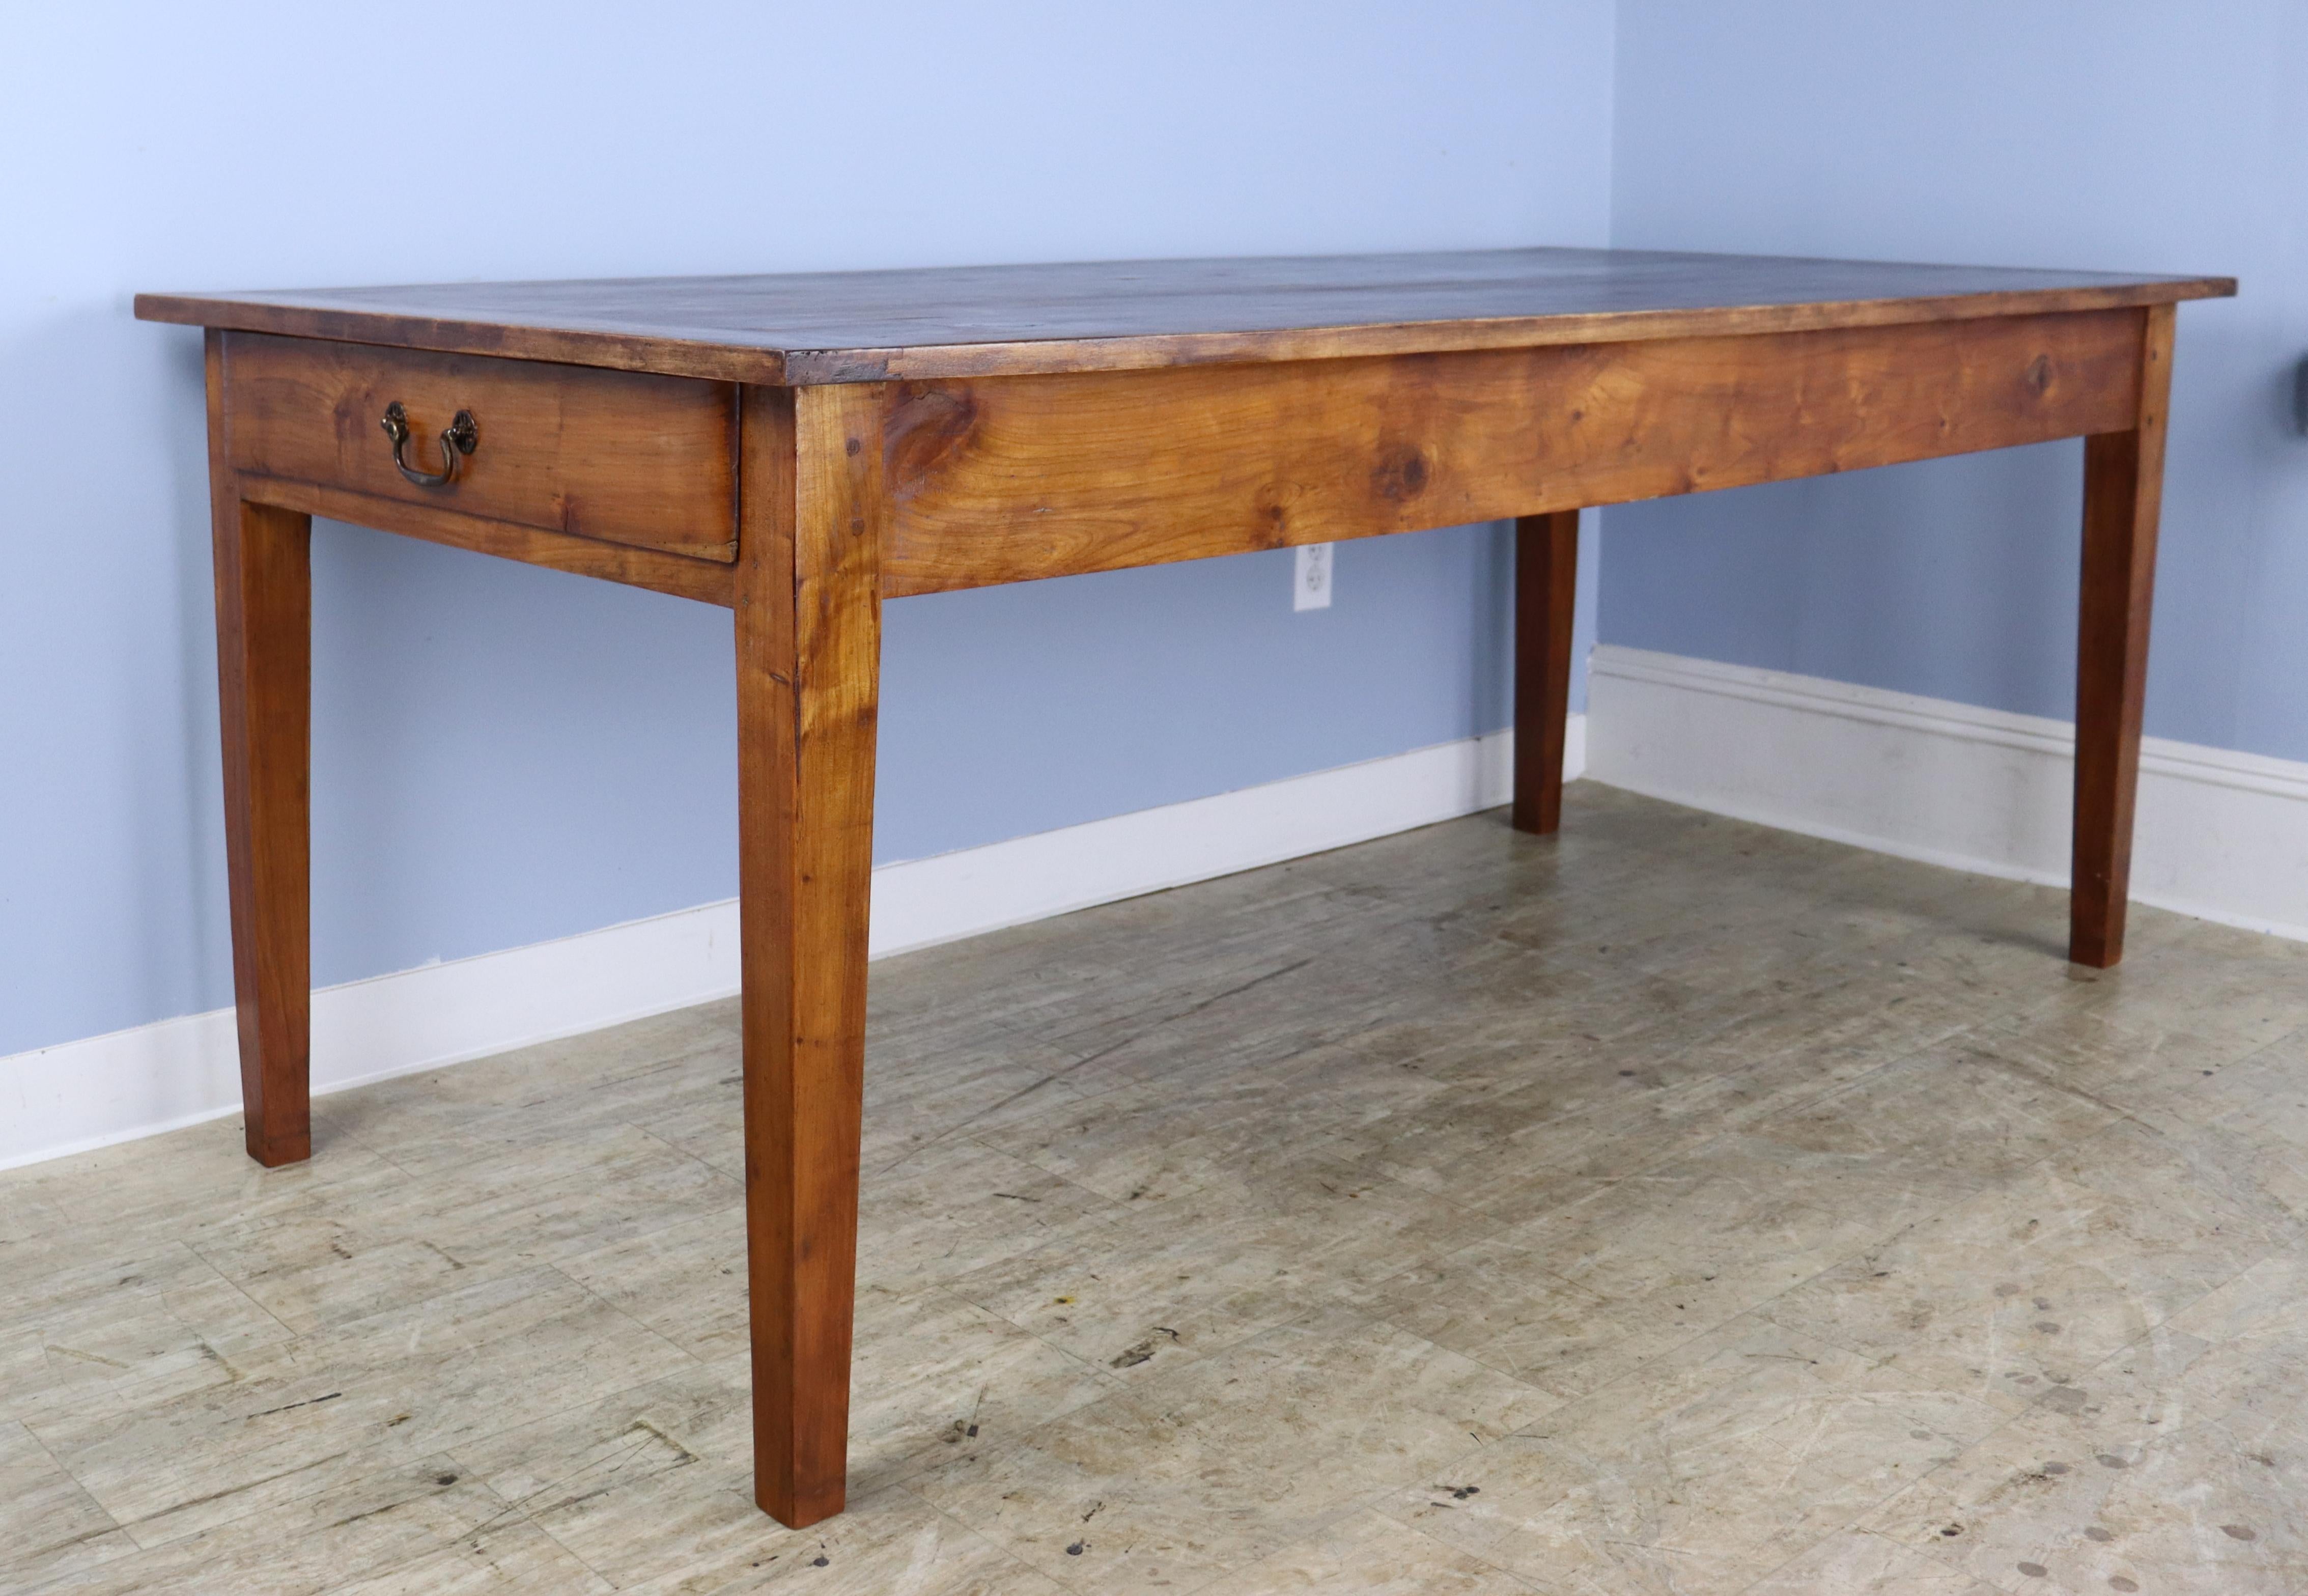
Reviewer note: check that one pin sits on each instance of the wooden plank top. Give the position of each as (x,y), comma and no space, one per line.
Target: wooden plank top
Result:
(975,320)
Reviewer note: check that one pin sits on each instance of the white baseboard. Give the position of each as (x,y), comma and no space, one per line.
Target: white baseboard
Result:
(2219,835)
(82,1094)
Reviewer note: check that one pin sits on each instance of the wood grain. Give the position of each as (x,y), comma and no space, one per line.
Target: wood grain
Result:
(613,456)
(984,320)
(808,625)
(2124,492)
(264,690)
(1012,478)
(1546,585)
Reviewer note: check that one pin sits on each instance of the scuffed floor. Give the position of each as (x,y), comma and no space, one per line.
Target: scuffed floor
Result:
(1675,1206)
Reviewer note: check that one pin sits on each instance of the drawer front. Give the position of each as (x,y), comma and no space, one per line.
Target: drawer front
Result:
(624,457)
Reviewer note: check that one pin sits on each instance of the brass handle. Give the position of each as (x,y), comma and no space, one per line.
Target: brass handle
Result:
(460,436)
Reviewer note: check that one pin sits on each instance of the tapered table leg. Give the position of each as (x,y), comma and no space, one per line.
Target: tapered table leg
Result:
(2124,481)
(264,690)
(1547,579)
(808,625)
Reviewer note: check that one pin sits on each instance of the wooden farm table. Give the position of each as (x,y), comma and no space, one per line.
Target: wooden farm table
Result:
(802,447)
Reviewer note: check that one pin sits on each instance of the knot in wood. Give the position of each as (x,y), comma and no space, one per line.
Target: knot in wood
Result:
(1400,474)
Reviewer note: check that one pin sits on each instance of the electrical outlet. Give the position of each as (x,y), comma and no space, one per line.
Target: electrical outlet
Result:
(1310,589)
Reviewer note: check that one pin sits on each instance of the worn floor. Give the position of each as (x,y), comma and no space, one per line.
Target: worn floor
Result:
(1675,1206)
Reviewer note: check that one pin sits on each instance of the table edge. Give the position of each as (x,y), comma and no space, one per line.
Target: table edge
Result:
(799,367)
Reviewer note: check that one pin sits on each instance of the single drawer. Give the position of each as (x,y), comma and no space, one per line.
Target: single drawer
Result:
(625,457)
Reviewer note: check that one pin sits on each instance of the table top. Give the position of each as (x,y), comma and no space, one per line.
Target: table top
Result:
(971,321)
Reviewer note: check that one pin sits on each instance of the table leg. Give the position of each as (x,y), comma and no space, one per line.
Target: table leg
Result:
(264,691)
(1547,577)
(2124,478)
(808,627)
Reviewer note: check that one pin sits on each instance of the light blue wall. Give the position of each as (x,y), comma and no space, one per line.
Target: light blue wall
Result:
(2138,136)
(505,755)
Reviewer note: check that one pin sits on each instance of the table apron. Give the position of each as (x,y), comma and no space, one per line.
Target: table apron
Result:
(999,480)
(709,581)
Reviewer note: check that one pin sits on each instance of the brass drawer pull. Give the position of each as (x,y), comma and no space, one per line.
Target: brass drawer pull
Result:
(460,436)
